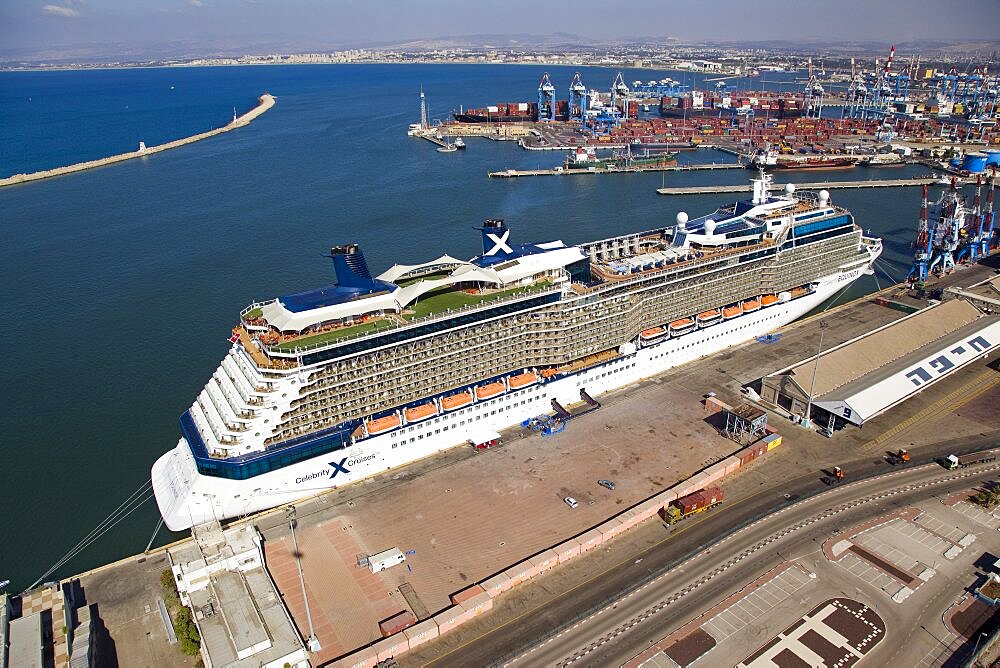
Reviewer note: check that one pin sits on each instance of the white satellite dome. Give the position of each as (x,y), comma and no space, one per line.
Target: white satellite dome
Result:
(789,188)
(709,227)
(682,219)
(824,197)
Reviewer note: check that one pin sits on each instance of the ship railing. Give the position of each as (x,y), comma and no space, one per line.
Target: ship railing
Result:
(392,326)
(705,258)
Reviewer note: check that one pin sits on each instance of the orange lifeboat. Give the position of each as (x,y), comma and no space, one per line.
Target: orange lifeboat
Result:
(522,380)
(799,292)
(682,326)
(768,300)
(751,305)
(732,312)
(490,390)
(421,412)
(652,333)
(457,400)
(549,373)
(708,318)
(379,425)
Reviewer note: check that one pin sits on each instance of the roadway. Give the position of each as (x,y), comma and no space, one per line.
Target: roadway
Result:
(602,606)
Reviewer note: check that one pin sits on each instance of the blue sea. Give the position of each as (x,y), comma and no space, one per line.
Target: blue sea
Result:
(120,285)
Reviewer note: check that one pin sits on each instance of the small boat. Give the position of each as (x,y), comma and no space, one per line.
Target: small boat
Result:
(652,334)
(682,326)
(459,143)
(454,401)
(522,380)
(549,373)
(751,305)
(421,412)
(379,425)
(449,148)
(732,312)
(768,300)
(490,390)
(799,292)
(709,318)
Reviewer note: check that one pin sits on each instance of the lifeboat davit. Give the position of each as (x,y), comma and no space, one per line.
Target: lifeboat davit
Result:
(382,424)
(652,334)
(709,318)
(768,300)
(459,400)
(751,305)
(682,326)
(732,312)
(421,412)
(490,390)
(522,380)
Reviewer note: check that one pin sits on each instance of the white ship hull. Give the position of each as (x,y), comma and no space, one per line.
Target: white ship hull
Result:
(187,498)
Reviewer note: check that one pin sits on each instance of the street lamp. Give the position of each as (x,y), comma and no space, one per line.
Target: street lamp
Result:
(982,634)
(812,387)
(313,642)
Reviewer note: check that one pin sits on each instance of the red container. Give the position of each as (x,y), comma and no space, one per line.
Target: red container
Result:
(396,623)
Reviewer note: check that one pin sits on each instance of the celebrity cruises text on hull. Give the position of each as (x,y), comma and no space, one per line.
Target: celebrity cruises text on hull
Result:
(332,385)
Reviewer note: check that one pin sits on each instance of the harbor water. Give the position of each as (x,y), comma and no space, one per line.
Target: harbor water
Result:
(121,284)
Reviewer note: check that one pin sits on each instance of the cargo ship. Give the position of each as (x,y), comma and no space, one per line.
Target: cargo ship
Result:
(585,157)
(330,386)
(772,160)
(512,112)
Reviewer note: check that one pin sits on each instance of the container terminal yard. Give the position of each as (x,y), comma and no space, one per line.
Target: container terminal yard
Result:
(371,572)
(883,118)
(825,468)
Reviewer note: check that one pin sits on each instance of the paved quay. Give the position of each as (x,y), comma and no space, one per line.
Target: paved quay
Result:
(265,102)
(829,185)
(467,514)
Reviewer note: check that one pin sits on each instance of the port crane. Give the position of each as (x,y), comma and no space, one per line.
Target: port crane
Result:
(546,99)
(577,98)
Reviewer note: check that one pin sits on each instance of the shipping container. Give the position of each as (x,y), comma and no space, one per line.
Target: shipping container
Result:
(396,623)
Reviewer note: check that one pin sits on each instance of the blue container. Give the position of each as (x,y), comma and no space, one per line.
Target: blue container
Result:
(992,157)
(956,162)
(974,163)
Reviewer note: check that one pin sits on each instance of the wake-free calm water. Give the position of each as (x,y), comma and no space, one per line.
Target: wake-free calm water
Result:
(120,285)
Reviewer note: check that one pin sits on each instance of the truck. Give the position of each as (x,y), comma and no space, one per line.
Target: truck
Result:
(691,504)
(952,462)
(901,456)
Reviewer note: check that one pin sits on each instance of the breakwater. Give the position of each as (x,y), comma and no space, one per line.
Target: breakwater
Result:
(265,102)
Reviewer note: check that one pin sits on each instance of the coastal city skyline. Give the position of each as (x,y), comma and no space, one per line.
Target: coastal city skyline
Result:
(110,29)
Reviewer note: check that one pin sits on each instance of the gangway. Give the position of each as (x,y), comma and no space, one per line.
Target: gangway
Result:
(560,411)
(592,402)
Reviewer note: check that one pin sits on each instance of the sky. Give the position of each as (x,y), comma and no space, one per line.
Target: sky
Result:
(49,24)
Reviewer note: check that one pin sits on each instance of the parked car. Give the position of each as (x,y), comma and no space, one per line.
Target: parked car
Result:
(571,502)
(606,483)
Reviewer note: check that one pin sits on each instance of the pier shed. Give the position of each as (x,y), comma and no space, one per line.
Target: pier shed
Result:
(866,376)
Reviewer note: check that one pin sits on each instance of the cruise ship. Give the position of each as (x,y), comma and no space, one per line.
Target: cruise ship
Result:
(326,387)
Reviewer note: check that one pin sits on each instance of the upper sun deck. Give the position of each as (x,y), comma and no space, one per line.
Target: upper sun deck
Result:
(360,306)
(743,227)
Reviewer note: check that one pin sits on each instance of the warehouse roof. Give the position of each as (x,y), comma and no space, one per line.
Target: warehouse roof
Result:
(858,358)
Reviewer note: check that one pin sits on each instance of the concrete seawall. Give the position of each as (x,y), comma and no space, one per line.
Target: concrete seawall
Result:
(266,101)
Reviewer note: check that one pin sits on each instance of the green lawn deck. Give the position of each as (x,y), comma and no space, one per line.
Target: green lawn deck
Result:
(253,314)
(334,335)
(447,298)
(429,304)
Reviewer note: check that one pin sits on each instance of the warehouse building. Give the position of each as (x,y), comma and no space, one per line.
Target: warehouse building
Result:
(862,378)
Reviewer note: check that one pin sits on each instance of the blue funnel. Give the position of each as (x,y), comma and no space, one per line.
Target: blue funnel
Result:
(350,266)
(496,236)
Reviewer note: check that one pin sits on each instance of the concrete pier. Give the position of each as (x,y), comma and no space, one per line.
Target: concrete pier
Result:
(829,185)
(561,171)
(266,101)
